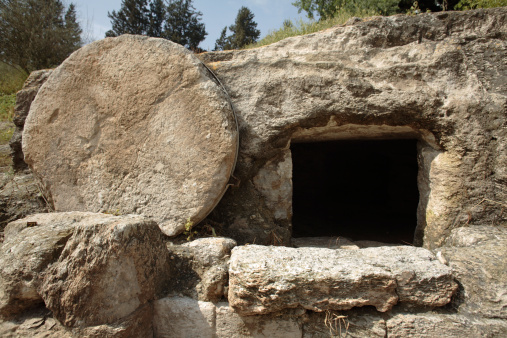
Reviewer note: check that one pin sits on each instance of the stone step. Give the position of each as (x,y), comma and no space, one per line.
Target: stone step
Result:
(266,279)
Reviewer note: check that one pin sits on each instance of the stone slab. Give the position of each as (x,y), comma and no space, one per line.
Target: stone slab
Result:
(266,279)
(133,125)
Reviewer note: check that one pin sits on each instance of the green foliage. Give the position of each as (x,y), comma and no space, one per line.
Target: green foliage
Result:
(132,18)
(11,79)
(326,9)
(302,27)
(113,212)
(7,107)
(244,32)
(183,24)
(177,21)
(6,112)
(473,4)
(188,230)
(37,34)
(157,18)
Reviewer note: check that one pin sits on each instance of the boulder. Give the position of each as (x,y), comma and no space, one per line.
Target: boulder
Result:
(97,273)
(31,245)
(141,127)
(268,279)
(477,256)
(442,325)
(111,267)
(200,268)
(24,100)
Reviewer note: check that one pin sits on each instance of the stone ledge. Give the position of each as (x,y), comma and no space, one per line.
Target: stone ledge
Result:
(269,279)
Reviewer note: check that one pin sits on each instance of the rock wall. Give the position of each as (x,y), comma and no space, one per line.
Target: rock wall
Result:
(438,78)
(98,275)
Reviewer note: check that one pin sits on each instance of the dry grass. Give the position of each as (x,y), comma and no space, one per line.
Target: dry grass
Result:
(337,324)
(302,27)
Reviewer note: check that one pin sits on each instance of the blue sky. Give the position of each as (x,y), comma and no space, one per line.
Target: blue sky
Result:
(269,15)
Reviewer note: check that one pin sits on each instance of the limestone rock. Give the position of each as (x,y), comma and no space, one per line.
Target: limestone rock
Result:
(110,267)
(354,323)
(26,254)
(441,325)
(141,127)
(183,317)
(200,268)
(268,279)
(24,100)
(421,279)
(229,324)
(37,323)
(324,242)
(20,196)
(439,78)
(137,324)
(477,256)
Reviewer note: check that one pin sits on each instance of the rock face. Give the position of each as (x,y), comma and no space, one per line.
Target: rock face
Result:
(200,268)
(184,317)
(95,272)
(141,127)
(477,256)
(108,269)
(24,100)
(269,279)
(357,323)
(20,196)
(26,254)
(431,325)
(431,77)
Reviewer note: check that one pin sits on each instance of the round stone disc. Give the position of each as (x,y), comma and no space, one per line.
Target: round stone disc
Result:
(133,125)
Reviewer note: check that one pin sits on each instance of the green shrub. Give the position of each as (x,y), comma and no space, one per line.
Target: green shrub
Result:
(7,106)
(473,4)
(11,79)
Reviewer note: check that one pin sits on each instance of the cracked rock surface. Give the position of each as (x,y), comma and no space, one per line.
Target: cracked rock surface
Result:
(266,279)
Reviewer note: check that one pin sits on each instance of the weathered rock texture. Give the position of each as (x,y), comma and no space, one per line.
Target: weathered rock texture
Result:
(95,272)
(184,317)
(200,268)
(24,100)
(356,323)
(26,254)
(478,258)
(110,267)
(439,77)
(20,195)
(431,325)
(266,279)
(135,125)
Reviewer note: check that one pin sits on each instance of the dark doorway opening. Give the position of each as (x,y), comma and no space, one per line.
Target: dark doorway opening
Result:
(360,189)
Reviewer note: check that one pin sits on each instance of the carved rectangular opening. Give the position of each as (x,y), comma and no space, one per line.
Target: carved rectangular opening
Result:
(359,189)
